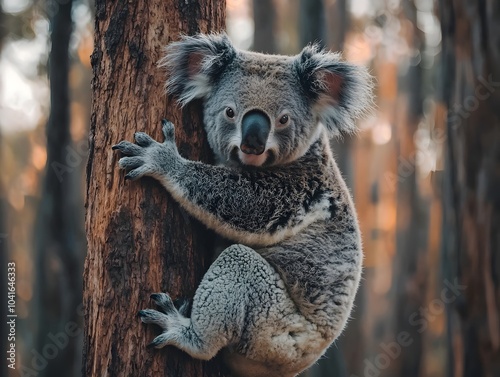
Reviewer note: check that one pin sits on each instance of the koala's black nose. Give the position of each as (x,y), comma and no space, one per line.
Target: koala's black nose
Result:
(255,128)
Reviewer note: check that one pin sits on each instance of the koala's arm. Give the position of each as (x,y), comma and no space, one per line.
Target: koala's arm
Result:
(257,207)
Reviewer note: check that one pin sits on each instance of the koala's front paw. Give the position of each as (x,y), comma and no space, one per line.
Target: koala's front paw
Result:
(147,156)
(169,319)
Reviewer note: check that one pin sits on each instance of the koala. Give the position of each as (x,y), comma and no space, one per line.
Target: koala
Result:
(277,298)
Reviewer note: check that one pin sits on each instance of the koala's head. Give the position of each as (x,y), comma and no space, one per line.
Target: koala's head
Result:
(261,109)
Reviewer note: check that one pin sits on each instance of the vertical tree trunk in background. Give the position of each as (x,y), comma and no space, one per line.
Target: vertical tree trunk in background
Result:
(338,23)
(139,241)
(59,248)
(408,289)
(471,253)
(264,16)
(312,22)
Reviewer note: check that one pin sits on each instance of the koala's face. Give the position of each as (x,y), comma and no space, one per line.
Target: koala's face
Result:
(265,110)
(257,113)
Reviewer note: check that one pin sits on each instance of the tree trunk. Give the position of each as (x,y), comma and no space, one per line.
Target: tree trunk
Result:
(264,17)
(338,23)
(471,252)
(312,22)
(139,240)
(59,248)
(409,282)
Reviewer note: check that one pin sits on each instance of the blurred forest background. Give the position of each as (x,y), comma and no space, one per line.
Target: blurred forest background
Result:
(424,171)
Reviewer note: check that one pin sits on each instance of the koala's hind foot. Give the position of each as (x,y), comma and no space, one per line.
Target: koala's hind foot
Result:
(176,328)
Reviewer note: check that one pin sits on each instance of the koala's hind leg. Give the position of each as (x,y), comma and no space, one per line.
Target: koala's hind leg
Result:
(227,297)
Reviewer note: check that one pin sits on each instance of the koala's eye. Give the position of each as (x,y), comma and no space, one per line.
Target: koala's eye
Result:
(284,119)
(229,113)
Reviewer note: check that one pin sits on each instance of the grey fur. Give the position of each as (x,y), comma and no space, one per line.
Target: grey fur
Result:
(274,301)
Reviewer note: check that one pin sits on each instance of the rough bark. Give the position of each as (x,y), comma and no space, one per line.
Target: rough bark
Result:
(471,252)
(139,241)
(59,248)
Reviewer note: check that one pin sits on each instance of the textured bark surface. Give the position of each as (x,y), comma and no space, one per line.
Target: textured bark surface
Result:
(471,83)
(139,241)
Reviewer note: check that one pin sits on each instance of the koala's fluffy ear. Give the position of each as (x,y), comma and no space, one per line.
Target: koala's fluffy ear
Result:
(194,63)
(341,92)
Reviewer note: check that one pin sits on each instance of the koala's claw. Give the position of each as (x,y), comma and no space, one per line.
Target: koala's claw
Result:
(168,129)
(134,174)
(147,157)
(155,296)
(134,161)
(164,302)
(169,319)
(129,163)
(154,317)
(159,342)
(141,313)
(127,148)
(142,139)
